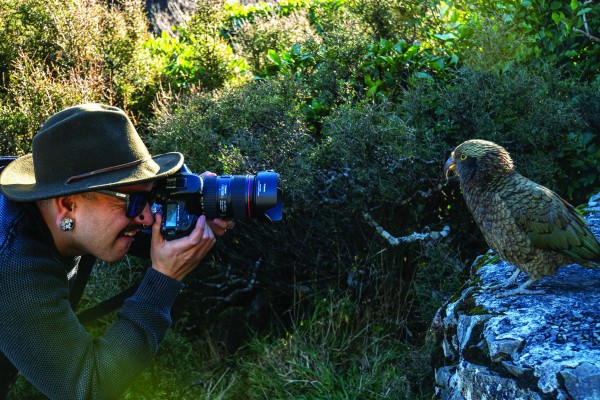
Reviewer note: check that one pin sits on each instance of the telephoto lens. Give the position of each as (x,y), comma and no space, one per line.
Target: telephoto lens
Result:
(242,196)
(183,197)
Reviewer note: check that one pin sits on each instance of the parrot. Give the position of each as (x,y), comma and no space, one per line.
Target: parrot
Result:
(525,223)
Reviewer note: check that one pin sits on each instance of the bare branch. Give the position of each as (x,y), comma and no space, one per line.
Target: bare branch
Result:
(413,237)
(588,35)
(235,294)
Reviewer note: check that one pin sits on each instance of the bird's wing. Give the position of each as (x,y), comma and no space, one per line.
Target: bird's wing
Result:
(551,223)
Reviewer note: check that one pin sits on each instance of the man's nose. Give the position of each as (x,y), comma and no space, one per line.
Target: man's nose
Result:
(146,217)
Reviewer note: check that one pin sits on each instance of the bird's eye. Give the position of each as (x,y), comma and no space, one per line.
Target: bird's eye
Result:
(463,157)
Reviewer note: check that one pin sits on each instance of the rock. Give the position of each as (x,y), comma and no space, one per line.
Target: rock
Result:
(164,15)
(542,346)
(582,382)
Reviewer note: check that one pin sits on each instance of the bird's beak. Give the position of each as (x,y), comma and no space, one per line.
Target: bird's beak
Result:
(449,166)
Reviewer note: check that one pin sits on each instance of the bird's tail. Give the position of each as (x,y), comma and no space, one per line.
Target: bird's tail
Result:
(591,264)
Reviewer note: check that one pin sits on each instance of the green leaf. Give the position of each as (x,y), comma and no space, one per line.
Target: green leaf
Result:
(585,10)
(400,46)
(574,5)
(436,65)
(571,53)
(423,75)
(273,56)
(372,90)
(445,36)
(296,49)
(412,50)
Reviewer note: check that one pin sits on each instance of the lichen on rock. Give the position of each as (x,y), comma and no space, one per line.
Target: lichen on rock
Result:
(540,346)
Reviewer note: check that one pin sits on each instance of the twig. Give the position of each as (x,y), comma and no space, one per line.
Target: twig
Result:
(587,28)
(235,294)
(413,237)
(588,35)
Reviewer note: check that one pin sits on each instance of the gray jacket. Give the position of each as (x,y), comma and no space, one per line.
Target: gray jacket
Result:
(39,332)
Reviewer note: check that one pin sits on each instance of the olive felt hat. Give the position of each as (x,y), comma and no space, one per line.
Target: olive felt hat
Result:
(82,149)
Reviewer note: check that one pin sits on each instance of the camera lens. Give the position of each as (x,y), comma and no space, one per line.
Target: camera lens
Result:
(242,196)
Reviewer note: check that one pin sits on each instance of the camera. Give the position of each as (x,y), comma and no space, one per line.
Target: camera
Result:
(183,197)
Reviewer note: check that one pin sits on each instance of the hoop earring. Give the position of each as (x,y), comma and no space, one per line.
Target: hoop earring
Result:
(66,224)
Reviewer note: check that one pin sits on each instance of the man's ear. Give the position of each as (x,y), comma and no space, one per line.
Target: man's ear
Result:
(64,205)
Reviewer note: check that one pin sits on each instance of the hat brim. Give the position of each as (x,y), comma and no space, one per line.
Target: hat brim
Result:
(17,181)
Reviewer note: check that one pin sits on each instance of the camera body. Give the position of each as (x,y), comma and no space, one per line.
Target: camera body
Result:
(183,197)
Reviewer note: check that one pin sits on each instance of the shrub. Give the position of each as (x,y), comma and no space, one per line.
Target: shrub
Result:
(36,93)
(326,67)
(196,54)
(522,111)
(496,45)
(56,54)
(239,130)
(357,105)
(579,154)
(255,39)
(244,130)
(390,20)
(193,60)
(545,34)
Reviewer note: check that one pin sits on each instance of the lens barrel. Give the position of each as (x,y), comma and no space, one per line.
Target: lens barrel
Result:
(242,196)
(209,197)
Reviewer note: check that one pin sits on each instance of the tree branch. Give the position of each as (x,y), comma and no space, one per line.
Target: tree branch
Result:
(588,35)
(413,237)
(238,288)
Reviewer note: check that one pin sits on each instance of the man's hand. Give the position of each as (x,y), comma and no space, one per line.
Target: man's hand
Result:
(177,258)
(220,226)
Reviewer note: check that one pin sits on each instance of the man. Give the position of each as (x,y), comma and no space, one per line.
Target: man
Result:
(83,194)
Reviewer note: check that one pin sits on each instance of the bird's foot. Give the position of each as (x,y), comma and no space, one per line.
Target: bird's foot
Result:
(521,290)
(518,291)
(512,280)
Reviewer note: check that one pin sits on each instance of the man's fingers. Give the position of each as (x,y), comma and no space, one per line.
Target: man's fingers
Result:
(156,235)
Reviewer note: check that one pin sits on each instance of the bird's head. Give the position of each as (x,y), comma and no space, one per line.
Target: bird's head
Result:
(478,159)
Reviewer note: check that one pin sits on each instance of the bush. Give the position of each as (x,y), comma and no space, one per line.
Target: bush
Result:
(373,157)
(357,106)
(367,160)
(196,55)
(527,113)
(253,40)
(239,130)
(56,54)
(546,35)
(579,154)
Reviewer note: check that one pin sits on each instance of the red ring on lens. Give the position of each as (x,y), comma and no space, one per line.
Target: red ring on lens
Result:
(248,195)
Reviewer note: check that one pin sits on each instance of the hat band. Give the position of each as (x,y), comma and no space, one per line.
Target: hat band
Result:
(107,169)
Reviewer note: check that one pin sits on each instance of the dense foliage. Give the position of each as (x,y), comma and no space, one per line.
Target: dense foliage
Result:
(357,104)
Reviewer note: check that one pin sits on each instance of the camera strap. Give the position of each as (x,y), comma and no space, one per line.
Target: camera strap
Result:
(91,314)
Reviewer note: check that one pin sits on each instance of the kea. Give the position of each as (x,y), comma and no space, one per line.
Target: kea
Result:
(527,224)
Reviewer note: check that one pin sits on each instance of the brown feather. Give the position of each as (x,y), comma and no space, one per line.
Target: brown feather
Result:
(526,223)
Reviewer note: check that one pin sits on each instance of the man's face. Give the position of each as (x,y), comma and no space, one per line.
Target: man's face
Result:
(101,226)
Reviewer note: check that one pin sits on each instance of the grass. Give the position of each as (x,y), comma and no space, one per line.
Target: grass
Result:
(335,348)
(331,353)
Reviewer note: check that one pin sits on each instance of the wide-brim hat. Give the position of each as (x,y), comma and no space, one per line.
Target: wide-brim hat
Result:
(81,149)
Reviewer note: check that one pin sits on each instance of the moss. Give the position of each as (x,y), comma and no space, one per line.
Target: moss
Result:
(477,310)
(483,260)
